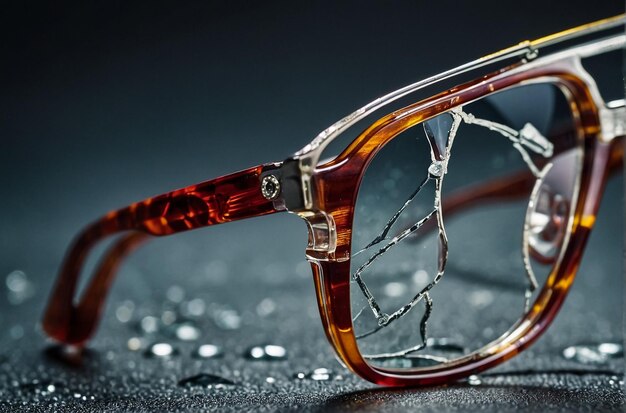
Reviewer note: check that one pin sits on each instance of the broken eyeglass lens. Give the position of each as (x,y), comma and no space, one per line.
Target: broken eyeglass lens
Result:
(458,223)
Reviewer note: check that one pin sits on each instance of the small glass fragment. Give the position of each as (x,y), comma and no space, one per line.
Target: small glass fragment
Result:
(438,133)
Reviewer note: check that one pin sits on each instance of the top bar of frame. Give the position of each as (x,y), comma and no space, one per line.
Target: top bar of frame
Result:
(528,50)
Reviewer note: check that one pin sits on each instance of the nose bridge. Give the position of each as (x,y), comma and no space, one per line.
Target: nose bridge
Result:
(322,234)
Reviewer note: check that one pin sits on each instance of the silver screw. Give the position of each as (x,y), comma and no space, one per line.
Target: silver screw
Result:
(270,187)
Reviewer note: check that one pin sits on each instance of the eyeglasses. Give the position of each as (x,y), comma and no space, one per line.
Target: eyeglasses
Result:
(472,190)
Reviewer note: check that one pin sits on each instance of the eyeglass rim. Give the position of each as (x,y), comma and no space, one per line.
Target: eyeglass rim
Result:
(332,273)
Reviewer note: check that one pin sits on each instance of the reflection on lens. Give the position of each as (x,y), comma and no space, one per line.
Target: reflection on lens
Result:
(446,247)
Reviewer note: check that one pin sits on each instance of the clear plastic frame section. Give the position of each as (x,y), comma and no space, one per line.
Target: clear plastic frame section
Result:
(458,223)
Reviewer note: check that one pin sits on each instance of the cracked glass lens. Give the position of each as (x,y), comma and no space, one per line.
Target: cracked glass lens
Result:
(458,223)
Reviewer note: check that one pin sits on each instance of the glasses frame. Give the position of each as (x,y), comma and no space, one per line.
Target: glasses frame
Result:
(324,195)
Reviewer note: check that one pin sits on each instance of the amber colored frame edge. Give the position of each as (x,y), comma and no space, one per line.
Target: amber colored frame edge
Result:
(238,196)
(337,186)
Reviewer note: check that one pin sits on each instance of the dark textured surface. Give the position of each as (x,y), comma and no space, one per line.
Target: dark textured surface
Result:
(102,107)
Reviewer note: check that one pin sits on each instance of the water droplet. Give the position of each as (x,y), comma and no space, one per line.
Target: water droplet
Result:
(319,374)
(19,287)
(209,381)
(193,308)
(266,307)
(186,331)
(394,289)
(227,319)
(135,344)
(217,272)
(161,350)
(175,294)
(16,332)
(474,380)
(124,312)
(480,299)
(303,269)
(168,317)
(594,354)
(270,380)
(149,324)
(268,352)
(420,277)
(208,351)
(38,387)
(611,349)
(16,281)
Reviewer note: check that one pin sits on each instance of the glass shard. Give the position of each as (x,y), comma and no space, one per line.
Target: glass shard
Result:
(440,133)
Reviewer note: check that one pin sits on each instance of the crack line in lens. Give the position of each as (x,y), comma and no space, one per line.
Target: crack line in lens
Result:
(528,136)
(428,303)
(381,236)
(382,318)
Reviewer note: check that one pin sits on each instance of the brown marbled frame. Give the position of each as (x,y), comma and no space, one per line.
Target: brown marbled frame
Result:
(335,186)
(229,198)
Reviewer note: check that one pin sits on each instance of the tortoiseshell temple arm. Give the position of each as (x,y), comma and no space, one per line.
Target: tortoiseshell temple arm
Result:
(229,198)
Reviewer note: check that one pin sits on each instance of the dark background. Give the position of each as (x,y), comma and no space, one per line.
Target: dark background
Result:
(103,105)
